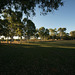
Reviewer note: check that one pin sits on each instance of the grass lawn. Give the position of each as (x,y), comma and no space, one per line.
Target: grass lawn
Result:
(38,58)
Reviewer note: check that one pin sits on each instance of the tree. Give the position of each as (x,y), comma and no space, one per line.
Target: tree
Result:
(29,5)
(36,34)
(15,25)
(46,34)
(19,30)
(66,36)
(52,32)
(29,27)
(43,33)
(72,34)
(4,27)
(61,31)
(1,27)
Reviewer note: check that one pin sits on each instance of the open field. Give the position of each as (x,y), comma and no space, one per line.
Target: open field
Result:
(38,58)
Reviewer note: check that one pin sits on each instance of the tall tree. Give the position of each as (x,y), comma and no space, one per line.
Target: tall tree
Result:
(15,25)
(29,27)
(46,34)
(19,30)
(52,32)
(36,34)
(61,31)
(72,34)
(43,33)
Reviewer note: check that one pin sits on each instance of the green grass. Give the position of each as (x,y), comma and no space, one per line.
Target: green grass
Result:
(38,58)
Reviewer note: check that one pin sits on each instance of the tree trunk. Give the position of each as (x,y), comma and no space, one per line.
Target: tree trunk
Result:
(28,37)
(21,40)
(7,40)
(0,39)
(53,37)
(60,35)
(11,39)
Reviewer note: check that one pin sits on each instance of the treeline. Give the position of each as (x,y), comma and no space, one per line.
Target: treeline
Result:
(57,34)
(29,30)
(12,24)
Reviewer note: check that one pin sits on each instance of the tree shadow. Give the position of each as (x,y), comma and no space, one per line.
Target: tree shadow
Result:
(36,60)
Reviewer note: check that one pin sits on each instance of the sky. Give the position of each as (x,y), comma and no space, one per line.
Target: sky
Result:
(63,17)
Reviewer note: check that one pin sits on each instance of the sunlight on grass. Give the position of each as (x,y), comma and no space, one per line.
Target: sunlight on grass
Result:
(57,44)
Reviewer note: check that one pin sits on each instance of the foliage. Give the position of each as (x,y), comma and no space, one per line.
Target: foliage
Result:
(36,34)
(61,31)
(4,27)
(29,5)
(15,25)
(29,28)
(53,32)
(13,11)
(72,34)
(43,33)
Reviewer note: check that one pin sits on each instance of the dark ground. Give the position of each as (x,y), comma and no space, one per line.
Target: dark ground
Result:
(40,58)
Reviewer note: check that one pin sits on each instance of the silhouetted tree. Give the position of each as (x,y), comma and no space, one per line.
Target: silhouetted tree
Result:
(43,33)
(61,31)
(29,5)
(52,32)
(72,34)
(29,27)
(36,34)
(15,25)
(46,34)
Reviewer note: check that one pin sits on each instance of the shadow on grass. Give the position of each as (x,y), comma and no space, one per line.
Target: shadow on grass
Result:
(16,59)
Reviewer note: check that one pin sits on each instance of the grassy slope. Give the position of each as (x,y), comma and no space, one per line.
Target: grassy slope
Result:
(40,58)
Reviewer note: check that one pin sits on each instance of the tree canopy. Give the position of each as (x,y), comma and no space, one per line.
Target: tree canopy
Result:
(72,33)
(29,27)
(28,6)
(43,33)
